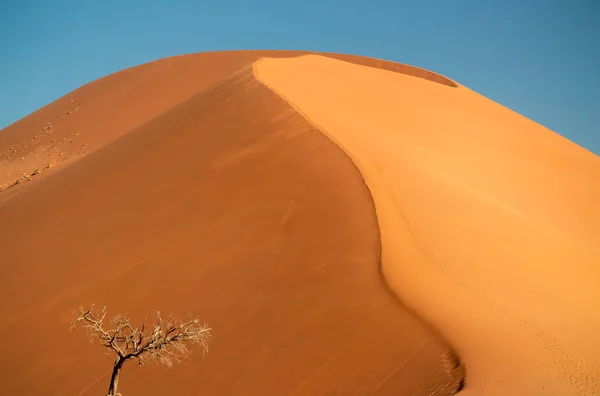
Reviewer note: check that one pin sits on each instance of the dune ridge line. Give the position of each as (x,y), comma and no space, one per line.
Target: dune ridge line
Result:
(361,168)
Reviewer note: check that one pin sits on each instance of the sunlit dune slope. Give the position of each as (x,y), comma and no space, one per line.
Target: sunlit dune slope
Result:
(230,207)
(102,110)
(490,223)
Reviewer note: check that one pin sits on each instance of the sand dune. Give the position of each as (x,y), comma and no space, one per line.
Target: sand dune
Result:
(490,223)
(225,203)
(264,191)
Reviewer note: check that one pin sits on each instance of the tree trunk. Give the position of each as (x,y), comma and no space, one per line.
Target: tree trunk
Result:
(114,379)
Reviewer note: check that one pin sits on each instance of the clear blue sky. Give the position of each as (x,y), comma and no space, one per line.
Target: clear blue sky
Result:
(540,58)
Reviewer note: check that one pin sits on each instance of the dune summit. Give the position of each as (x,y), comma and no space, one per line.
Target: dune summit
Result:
(103,110)
(266,192)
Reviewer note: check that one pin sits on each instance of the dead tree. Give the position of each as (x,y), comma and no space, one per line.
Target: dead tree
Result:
(164,342)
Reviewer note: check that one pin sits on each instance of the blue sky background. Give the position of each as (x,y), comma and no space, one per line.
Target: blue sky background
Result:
(540,58)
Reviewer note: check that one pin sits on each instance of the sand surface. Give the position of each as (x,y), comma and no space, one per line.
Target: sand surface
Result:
(264,191)
(490,223)
(224,203)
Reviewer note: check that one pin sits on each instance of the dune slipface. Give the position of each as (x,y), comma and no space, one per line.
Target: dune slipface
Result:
(490,223)
(214,198)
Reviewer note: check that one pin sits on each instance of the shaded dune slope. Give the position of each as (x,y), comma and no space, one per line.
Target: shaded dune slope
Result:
(231,207)
(490,223)
(104,109)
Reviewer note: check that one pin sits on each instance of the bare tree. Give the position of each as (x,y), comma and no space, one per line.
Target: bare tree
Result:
(164,342)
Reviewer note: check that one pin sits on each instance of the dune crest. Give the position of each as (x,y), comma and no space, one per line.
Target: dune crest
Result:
(76,124)
(490,223)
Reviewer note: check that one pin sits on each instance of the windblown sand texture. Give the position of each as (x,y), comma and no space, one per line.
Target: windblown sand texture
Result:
(266,192)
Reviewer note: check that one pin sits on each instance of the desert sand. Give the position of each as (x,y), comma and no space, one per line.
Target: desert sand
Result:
(347,226)
(490,223)
(201,191)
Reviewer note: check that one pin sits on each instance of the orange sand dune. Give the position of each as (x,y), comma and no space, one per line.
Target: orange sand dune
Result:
(224,203)
(490,223)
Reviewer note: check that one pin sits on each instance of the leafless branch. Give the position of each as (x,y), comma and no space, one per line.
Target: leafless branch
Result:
(166,342)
